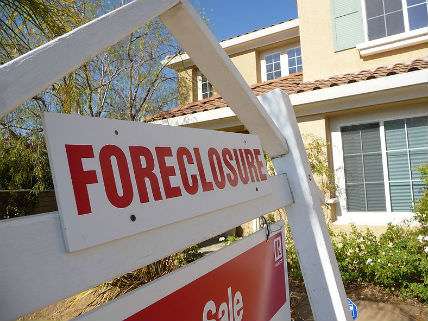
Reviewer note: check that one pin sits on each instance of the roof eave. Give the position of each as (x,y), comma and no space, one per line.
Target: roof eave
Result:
(274,34)
(401,87)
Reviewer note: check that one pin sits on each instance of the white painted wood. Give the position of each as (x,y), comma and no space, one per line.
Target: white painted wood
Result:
(401,40)
(199,117)
(107,222)
(149,294)
(201,45)
(29,74)
(36,270)
(317,260)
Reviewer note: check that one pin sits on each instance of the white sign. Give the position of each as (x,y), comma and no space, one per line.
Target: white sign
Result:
(116,178)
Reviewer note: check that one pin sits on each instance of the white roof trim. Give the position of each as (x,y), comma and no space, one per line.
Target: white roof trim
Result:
(389,89)
(198,117)
(362,87)
(279,32)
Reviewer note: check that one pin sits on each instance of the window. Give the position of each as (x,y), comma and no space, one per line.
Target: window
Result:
(406,149)
(273,66)
(380,164)
(205,89)
(281,63)
(390,17)
(418,13)
(362,156)
(294,60)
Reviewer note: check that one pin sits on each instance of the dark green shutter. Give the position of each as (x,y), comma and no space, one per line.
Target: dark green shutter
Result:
(347,23)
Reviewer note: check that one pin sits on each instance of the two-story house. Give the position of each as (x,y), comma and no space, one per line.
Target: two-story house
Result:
(357,75)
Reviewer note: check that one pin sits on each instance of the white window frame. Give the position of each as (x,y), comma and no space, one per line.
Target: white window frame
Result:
(283,61)
(301,57)
(367,218)
(387,43)
(199,83)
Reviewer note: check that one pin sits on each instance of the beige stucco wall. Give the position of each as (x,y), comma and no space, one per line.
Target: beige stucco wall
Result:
(319,57)
(187,90)
(247,66)
(312,126)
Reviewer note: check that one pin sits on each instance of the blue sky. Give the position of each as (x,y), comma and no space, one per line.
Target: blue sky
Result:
(228,18)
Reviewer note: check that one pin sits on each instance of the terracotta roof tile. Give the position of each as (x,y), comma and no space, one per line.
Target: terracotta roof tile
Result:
(294,84)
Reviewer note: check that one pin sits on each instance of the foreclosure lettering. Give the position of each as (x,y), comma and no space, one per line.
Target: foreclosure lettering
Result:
(155,168)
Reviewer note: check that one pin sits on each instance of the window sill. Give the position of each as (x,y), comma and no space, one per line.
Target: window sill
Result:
(373,218)
(402,40)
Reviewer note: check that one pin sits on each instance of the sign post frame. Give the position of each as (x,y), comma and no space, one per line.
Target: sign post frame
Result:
(274,121)
(315,252)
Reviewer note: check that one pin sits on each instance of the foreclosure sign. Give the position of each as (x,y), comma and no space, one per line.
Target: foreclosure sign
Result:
(242,282)
(115,178)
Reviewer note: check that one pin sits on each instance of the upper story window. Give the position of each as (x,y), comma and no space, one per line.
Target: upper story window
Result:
(294,60)
(390,17)
(281,63)
(205,89)
(273,66)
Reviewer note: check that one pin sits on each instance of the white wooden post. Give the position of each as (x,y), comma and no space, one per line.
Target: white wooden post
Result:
(317,260)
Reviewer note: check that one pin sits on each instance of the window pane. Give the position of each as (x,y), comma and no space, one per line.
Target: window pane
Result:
(394,23)
(277,66)
(293,70)
(375,197)
(417,131)
(418,158)
(355,198)
(392,5)
(376,28)
(299,68)
(269,59)
(353,168)
(204,87)
(395,135)
(370,138)
(373,170)
(401,199)
(374,8)
(413,2)
(277,74)
(269,68)
(398,166)
(418,16)
(351,140)
(269,76)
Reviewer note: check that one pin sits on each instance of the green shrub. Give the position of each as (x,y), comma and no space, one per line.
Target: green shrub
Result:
(421,208)
(396,260)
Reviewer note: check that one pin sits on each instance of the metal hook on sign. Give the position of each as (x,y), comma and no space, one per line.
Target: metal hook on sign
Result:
(265,224)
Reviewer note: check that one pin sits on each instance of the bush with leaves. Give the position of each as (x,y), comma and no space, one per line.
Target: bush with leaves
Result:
(421,208)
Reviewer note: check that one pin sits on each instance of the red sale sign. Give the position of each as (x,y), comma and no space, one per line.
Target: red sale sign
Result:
(246,281)
(250,287)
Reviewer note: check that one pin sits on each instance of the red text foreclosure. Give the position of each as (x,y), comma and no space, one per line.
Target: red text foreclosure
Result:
(227,167)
